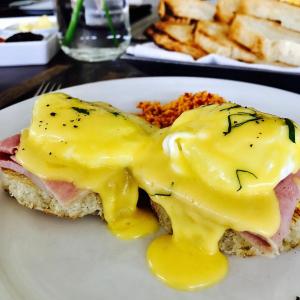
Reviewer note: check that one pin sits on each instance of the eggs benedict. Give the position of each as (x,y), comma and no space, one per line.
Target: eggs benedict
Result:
(218,171)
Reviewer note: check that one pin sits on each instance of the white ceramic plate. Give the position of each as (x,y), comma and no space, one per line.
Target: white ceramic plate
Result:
(46,258)
(15,21)
(46,5)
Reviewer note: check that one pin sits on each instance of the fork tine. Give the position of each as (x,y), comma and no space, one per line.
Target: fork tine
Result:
(38,92)
(44,90)
(56,87)
(47,87)
(51,88)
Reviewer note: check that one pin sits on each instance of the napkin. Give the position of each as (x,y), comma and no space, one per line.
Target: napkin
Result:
(150,50)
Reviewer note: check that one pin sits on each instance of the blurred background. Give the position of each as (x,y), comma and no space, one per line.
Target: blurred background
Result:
(175,38)
(11,7)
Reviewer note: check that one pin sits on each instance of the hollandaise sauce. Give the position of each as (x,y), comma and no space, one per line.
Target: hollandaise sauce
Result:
(214,169)
(93,146)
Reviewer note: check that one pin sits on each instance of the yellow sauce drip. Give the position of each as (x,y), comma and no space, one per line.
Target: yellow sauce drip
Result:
(181,266)
(215,168)
(136,225)
(190,258)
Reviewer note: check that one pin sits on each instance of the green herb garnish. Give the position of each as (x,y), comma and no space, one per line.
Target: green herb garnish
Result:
(232,107)
(81,110)
(290,124)
(69,36)
(254,118)
(110,22)
(162,194)
(165,194)
(238,177)
(118,114)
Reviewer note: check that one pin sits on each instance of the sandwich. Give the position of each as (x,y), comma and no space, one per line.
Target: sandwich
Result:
(175,37)
(180,32)
(280,11)
(226,10)
(293,2)
(188,9)
(222,179)
(287,15)
(267,39)
(65,139)
(268,28)
(213,38)
(251,31)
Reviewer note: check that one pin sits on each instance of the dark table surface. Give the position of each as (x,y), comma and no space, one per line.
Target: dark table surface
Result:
(68,72)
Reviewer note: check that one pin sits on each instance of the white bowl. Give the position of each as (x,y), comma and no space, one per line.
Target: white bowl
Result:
(29,53)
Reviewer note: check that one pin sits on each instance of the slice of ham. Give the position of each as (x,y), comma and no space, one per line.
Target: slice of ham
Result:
(64,192)
(288,194)
(10,144)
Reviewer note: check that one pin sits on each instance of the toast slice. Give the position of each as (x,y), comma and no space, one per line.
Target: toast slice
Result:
(287,15)
(293,2)
(267,39)
(180,32)
(165,41)
(212,37)
(176,20)
(226,10)
(190,9)
(29,195)
(232,243)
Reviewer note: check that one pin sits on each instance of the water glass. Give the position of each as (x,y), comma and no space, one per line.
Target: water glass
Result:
(93,30)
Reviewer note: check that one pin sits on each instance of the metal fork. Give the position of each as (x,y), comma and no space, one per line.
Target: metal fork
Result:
(47,87)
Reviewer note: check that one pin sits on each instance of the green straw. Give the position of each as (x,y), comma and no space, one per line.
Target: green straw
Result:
(75,18)
(73,23)
(110,22)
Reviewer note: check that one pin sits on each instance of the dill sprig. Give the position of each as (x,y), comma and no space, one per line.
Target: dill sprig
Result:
(291,126)
(253,117)
(238,177)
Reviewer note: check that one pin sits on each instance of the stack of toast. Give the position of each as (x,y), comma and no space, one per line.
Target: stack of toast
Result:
(252,31)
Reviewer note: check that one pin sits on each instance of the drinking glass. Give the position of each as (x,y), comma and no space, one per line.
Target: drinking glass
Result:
(93,30)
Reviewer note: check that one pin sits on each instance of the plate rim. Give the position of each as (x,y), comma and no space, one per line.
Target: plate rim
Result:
(250,84)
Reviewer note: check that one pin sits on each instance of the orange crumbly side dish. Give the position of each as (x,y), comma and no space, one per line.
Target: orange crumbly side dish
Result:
(163,115)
